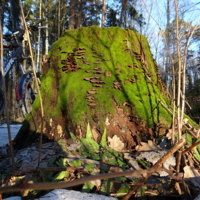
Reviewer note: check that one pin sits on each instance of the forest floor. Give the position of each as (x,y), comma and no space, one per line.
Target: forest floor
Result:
(150,172)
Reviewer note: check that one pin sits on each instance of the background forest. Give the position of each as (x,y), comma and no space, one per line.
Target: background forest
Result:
(162,87)
(175,48)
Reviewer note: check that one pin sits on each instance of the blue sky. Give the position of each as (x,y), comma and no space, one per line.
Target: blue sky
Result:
(157,9)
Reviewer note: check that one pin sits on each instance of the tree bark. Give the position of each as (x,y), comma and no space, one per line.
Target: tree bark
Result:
(179,72)
(122,16)
(38,65)
(72,21)
(59,18)
(47,28)
(79,16)
(167,64)
(103,13)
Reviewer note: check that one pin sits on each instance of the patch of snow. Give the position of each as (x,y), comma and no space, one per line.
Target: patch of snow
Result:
(13,198)
(198,197)
(154,156)
(14,128)
(63,194)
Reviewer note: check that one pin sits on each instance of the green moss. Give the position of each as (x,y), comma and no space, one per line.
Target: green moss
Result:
(109,47)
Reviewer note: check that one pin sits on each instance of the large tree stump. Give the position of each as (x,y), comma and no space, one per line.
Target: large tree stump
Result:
(102,76)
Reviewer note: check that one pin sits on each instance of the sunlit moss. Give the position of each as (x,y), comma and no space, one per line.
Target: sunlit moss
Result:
(117,46)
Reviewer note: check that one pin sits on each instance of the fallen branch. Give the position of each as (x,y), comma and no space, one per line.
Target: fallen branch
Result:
(24,185)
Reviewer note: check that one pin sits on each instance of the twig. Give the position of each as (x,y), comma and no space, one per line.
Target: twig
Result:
(36,80)
(191,132)
(198,131)
(178,177)
(195,136)
(178,188)
(173,117)
(178,162)
(23,185)
(155,166)
(188,149)
(187,192)
(182,96)
(190,159)
(165,106)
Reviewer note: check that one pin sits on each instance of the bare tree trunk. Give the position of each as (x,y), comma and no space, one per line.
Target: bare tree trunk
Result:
(168,43)
(103,13)
(72,14)
(58,18)
(39,38)
(14,92)
(124,3)
(79,17)
(35,77)
(47,28)
(11,13)
(190,34)
(2,6)
(179,72)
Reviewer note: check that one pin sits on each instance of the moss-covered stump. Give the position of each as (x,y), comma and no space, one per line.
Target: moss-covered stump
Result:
(102,76)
